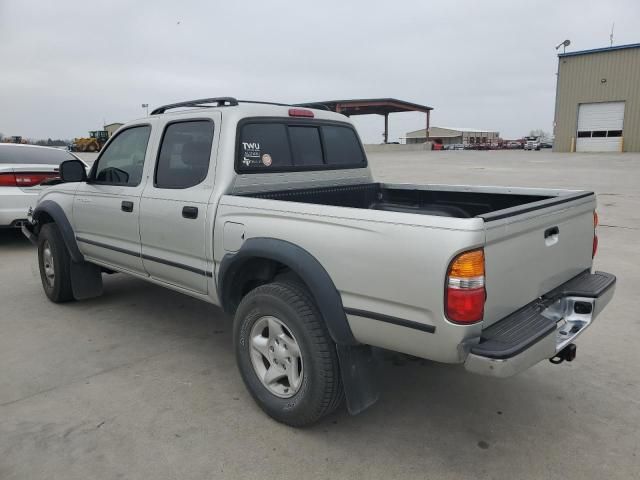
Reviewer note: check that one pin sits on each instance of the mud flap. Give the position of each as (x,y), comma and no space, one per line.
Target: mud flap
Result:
(86,280)
(359,370)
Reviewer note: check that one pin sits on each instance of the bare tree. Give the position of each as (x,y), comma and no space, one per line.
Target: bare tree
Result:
(544,136)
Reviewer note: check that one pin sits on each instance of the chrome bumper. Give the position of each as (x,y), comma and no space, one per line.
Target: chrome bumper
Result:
(571,314)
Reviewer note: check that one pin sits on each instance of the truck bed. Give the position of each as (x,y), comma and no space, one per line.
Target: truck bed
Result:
(457,203)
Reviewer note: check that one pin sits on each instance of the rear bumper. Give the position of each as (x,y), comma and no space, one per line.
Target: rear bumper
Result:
(541,329)
(14,204)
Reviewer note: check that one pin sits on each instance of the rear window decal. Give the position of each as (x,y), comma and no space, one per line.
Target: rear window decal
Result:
(251,154)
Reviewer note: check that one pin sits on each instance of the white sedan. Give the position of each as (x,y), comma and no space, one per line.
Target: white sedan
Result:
(22,169)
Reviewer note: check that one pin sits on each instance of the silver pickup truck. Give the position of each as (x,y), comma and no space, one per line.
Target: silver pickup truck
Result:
(271,212)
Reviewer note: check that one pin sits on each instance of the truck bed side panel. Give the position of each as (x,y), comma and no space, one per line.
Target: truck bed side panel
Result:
(388,265)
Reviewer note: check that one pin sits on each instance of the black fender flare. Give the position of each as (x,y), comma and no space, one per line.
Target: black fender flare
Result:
(303,264)
(56,212)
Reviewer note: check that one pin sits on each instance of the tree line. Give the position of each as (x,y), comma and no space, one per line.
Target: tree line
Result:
(48,142)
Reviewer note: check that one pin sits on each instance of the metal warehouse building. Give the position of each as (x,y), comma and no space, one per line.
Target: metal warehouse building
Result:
(598,100)
(449,136)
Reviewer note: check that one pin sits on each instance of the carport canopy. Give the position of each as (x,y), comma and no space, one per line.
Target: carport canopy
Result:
(374,106)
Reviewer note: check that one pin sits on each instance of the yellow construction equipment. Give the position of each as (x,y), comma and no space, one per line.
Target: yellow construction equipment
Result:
(93,143)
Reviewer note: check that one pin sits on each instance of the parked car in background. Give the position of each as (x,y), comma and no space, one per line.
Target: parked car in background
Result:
(546,145)
(22,170)
(454,146)
(532,143)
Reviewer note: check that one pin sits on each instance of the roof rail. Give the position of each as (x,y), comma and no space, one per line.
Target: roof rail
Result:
(266,103)
(219,101)
(231,102)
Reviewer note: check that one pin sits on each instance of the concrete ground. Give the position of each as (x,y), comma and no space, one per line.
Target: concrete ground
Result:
(141,383)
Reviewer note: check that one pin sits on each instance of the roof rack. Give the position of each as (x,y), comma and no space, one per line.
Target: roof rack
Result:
(230,102)
(219,101)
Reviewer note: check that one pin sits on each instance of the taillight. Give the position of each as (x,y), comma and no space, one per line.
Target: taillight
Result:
(24,179)
(7,180)
(595,234)
(465,294)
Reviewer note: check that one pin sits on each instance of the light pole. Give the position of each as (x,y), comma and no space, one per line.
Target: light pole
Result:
(146,106)
(564,45)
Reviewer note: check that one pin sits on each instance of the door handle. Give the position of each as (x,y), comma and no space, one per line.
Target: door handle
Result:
(126,206)
(190,212)
(549,232)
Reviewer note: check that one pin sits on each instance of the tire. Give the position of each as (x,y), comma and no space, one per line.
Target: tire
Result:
(319,391)
(55,264)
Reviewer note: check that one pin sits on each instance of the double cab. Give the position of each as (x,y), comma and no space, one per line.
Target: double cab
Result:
(271,212)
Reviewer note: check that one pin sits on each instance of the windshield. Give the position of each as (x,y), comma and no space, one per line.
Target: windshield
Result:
(33,155)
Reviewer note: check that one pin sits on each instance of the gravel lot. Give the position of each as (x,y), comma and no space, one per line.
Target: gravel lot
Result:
(141,382)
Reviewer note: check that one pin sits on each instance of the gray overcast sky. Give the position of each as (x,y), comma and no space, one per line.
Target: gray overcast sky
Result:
(67,65)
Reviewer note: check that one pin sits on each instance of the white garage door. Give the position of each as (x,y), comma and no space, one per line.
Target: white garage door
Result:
(600,127)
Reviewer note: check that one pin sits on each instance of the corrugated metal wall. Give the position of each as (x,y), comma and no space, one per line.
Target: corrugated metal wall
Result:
(580,81)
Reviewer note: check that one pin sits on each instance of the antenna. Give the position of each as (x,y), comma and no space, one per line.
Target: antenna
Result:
(564,44)
(611,35)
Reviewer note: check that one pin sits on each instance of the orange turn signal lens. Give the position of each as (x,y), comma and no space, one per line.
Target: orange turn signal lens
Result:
(468,264)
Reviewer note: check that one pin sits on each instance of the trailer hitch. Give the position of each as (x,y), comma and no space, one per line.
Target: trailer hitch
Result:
(568,353)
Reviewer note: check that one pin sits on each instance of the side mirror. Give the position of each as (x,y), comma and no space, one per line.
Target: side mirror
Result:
(73,171)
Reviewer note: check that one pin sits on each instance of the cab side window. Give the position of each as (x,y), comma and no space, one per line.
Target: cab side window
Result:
(184,156)
(123,160)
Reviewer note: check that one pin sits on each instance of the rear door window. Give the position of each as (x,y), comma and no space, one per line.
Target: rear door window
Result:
(184,156)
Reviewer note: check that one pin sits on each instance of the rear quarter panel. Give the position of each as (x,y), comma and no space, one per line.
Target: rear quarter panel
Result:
(383,262)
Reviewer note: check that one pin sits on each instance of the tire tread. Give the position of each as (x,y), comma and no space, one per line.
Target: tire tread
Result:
(301,301)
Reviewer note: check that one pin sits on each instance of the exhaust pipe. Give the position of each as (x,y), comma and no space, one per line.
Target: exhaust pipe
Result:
(568,353)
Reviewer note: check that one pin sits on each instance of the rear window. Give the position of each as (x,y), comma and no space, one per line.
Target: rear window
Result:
(305,145)
(33,155)
(294,145)
(264,145)
(342,146)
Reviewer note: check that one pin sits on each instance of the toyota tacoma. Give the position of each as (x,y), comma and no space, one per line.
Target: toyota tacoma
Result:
(271,212)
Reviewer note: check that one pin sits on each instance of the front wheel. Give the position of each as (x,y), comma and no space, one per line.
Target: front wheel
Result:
(285,355)
(55,264)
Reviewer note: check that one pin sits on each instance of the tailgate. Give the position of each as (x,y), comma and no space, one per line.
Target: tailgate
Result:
(529,254)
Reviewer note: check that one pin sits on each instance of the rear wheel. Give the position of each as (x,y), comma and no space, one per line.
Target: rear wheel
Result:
(55,264)
(285,354)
